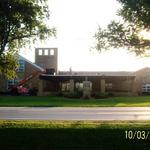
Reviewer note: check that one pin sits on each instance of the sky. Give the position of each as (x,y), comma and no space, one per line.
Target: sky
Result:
(76,22)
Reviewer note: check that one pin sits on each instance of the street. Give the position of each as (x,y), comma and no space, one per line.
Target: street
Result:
(75,113)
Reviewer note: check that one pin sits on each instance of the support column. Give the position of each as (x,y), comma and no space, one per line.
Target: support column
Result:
(102,85)
(40,88)
(71,86)
(60,86)
(87,88)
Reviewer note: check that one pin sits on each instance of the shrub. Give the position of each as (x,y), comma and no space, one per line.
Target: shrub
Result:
(33,91)
(98,95)
(73,95)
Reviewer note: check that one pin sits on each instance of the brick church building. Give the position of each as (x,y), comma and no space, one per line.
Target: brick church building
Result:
(49,79)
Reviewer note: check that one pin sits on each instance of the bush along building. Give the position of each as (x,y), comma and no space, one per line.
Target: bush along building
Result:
(44,76)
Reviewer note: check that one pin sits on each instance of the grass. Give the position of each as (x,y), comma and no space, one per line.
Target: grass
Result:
(72,135)
(50,101)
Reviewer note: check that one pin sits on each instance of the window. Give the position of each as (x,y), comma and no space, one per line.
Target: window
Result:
(65,87)
(11,82)
(79,86)
(40,52)
(52,52)
(46,52)
(146,88)
(108,85)
(21,66)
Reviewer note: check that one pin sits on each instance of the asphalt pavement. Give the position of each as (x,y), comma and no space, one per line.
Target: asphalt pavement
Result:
(75,113)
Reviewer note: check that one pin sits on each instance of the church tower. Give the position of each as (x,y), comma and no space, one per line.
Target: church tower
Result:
(47,58)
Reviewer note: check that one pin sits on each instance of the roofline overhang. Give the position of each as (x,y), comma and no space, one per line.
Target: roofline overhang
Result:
(79,77)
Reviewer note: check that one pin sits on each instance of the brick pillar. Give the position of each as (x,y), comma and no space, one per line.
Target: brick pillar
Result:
(102,85)
(40,88)
(71,86)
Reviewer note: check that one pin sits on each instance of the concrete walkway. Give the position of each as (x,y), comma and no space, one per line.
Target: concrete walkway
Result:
(75,113)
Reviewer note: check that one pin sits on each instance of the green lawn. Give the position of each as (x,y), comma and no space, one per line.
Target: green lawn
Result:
(50,101)
(72,135)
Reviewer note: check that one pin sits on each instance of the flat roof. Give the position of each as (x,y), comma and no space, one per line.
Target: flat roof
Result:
(79,77)
(96,73)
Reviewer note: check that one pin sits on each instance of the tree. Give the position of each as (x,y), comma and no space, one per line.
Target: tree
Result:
(8,65)
(128,32)
(21,22)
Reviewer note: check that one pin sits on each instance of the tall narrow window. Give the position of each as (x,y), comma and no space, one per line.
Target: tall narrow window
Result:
(52,52)
(40,52)
(46,52)
(21,66)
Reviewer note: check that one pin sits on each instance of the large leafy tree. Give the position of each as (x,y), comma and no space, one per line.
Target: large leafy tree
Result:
(129,31)
(21,22)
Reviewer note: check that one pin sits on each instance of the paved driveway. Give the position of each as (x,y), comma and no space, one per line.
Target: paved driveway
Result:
(75,113)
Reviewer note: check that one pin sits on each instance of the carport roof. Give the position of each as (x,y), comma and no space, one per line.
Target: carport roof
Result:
(96,73)
(64,76)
